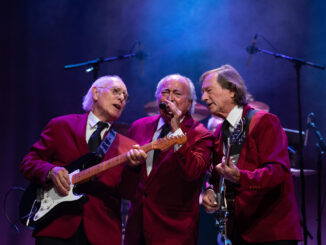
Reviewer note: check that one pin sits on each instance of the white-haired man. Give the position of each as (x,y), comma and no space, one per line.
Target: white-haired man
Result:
(66,139)
(165,208)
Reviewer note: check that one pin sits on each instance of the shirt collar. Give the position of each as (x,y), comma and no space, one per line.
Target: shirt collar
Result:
(235,115)
(160,124)
(93,120)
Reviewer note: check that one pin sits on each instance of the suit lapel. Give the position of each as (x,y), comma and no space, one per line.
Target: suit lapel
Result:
(148,133)
(187,122)
(80,134)
(150,129)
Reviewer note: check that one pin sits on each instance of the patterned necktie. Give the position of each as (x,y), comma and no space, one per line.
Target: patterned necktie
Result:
(225,131)
(165,130)
(95,139)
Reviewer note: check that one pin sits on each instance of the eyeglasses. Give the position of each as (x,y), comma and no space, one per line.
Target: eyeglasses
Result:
(118,92)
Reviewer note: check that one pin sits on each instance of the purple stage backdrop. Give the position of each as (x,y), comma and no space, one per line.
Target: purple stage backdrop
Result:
(38,38)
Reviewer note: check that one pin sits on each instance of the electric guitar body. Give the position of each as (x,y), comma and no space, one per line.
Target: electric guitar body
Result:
(40,205)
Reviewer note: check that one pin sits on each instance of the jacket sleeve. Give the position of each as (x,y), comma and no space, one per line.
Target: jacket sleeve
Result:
(269,143)
(36,164)
(194,157)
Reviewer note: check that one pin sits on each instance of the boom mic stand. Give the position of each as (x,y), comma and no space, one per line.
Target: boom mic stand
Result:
(93,65)
(252,49)
(321,148)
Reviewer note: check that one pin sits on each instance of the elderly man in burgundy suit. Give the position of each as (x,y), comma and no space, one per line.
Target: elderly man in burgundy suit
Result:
(265,209)
(64,140)
(165,207)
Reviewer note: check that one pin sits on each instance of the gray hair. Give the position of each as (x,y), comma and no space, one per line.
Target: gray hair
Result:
(229,78)
(192,91)
(100,82)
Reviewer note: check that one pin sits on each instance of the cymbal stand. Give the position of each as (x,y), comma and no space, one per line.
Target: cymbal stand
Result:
(252,49)
(321,148)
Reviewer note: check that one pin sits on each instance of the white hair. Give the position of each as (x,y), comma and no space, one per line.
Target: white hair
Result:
(100,82)
(192,91)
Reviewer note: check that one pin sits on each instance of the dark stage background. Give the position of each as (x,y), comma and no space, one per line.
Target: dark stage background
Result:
(189,37)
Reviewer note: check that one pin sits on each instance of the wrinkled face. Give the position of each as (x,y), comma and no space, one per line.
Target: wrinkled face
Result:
(109,100)
(219,101)
(176,90)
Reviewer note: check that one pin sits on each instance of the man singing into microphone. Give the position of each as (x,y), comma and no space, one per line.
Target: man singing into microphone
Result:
(165,208)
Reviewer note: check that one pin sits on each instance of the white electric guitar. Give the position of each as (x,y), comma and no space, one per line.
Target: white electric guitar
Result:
(39,204)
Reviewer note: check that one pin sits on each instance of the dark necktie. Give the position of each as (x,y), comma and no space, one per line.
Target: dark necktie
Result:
(165,130)
(225,131)
(95,139)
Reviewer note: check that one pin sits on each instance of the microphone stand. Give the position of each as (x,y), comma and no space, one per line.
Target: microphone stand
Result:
(93,65)
(297,65)
(321,148)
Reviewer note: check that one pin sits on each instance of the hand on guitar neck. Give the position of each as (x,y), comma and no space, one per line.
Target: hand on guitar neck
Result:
(209,201)
(228,170)
(136,156)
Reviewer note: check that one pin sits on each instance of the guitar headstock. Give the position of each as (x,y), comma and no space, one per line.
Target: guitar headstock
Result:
(166,142)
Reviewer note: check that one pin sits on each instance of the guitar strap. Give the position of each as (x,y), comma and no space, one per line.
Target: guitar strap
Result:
(236,149)
(232,228)
(106,143)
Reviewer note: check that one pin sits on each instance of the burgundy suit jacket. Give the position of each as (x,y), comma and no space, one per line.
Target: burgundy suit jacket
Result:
(165,205)
(62,142)
(265,203)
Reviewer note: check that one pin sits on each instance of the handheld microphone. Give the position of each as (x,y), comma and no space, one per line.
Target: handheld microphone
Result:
(162,106)
(310,120)
(252,49)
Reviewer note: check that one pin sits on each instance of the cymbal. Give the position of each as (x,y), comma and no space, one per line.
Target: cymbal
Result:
(201,111)
(296,172)
(258,105)
(151,108)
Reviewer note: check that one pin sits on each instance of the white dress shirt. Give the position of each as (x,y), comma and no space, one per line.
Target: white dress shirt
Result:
(91,126)
(150,154)
(234,118)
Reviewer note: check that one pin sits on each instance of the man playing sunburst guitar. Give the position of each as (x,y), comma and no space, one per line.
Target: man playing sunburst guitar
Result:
(258,189)
(64,140)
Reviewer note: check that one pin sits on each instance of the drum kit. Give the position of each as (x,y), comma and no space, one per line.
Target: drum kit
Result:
(201,112)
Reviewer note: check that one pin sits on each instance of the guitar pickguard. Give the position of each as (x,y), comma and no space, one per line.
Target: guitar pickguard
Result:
(51,198)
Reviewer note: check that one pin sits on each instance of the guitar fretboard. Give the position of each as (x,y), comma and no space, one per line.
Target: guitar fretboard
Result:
(161,144)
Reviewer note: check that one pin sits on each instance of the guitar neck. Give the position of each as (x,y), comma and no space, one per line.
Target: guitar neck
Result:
(227,158)
(88,173)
